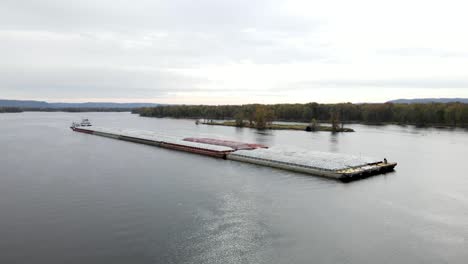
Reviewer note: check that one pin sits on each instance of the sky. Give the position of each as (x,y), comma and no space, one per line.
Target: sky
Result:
(232,52)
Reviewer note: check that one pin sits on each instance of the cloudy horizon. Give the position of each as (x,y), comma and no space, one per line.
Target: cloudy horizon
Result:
(232,52)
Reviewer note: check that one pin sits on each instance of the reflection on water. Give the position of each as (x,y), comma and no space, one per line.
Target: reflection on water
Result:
(265,137)
(232,233)
(68,197)
(334,142)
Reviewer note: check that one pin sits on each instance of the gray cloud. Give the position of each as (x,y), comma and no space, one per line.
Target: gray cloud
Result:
(82,48)
(431,52)
(94,82)
(425,83)
(145,15)
(169,32)
(144,48)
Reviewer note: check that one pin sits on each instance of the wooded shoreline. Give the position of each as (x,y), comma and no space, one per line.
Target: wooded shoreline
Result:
(425,114)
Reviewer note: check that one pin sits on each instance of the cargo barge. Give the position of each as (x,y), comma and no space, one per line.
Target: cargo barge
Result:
(154,139)
(331,165)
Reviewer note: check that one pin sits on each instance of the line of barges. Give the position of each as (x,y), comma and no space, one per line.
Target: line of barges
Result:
(330,165)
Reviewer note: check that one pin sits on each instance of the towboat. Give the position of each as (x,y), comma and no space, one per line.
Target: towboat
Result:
(84,123)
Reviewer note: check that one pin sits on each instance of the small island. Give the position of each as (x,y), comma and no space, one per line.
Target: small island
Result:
(302,127)
(263,118)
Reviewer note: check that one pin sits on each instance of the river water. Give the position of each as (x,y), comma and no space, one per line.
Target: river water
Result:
(69,197)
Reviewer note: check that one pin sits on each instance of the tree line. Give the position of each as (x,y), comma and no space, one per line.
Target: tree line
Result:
(451,114)
(79,109)
(66,109)
(10,110)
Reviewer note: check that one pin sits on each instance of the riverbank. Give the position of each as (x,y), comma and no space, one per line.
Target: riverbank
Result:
(10,110)
(446,114)
(281,126)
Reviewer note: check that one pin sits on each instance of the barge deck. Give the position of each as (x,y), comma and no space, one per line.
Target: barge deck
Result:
(331,165)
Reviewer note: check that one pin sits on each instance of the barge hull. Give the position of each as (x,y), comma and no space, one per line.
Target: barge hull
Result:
(379,168)
(205,152)
(214,154)
(283,166)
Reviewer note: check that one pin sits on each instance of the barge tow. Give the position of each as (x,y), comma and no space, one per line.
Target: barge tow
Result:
(331,165)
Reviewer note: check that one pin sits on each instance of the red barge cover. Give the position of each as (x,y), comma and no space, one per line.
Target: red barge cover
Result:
(226,143)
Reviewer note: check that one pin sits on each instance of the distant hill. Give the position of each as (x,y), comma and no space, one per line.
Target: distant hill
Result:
(429,100)
(41,104)
(23,104)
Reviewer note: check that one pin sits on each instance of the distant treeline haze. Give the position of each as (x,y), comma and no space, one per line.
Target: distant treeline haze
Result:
(10,110)
(452,114)
(66,109)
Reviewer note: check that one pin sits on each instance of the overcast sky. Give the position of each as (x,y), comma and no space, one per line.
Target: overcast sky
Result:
(239,51)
